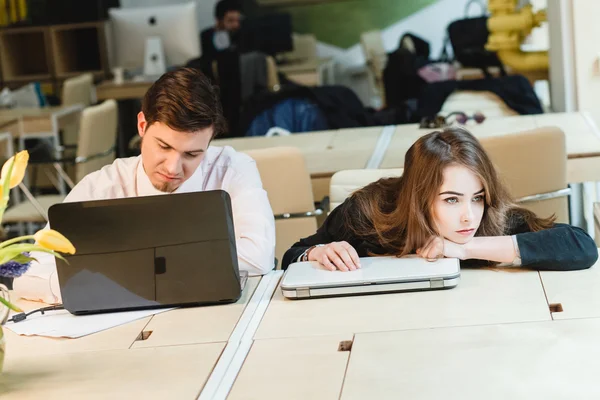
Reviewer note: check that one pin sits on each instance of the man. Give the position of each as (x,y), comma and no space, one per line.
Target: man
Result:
(228,15)
(181,114)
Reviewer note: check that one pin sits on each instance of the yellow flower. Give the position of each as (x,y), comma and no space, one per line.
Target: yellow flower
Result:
(53,240)
(18,171)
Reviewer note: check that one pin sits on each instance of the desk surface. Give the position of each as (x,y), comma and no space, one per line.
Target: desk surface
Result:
(125,91)
(309,368)
(120,337)
(548,360)
(197,324)
(175,372)
(482,297)
(576,291)
(330,151)
(582,139)
(176,327)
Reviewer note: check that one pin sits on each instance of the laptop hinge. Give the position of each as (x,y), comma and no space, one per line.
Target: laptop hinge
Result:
(436,283)
(302,292)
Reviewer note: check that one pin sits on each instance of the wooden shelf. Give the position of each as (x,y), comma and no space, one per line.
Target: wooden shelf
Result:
(99,74)
(51,54)
(78,48)
(24,54)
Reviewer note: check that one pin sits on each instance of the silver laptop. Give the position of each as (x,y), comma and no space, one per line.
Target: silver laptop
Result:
(377,275)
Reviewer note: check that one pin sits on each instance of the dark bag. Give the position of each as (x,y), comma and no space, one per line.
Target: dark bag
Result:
(468,37)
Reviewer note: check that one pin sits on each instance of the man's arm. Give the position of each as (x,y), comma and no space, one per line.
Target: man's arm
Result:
(253,219)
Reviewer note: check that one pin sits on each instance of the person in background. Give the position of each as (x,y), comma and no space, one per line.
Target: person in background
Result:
(224,35)
(449,202)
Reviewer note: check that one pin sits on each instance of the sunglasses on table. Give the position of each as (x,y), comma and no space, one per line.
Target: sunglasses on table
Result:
(439,121)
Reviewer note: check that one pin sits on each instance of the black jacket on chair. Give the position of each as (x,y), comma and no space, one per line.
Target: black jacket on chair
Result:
(560,248)
(514,90)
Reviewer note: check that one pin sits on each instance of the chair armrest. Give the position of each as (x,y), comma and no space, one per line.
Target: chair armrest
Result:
(545,196)
(307,214)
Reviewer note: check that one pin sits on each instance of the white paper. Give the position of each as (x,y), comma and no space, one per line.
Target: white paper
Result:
(61,323)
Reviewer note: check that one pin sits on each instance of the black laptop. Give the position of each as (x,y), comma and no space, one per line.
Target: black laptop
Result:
(148,252)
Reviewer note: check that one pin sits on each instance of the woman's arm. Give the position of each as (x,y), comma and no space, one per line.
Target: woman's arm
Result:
(334,229)
(560,248)
(496,248)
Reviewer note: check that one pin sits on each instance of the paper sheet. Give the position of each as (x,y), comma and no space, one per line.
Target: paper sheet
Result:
(62,323)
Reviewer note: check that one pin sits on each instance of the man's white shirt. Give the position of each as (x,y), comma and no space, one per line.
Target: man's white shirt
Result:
(222,168)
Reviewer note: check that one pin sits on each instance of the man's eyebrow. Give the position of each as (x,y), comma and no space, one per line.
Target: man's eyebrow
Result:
(189,151)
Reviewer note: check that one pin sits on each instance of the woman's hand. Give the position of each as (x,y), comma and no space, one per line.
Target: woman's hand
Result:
(336,255)
(438,247)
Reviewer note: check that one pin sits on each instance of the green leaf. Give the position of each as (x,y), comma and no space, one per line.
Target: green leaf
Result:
(9,305)
(23,259)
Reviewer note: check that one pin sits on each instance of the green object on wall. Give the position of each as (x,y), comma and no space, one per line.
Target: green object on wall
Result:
(340,23)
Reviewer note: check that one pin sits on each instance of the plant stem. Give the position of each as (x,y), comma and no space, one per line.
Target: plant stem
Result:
(15,240)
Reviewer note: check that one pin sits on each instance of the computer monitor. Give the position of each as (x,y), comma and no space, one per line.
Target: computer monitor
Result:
(270,34)
(175,25)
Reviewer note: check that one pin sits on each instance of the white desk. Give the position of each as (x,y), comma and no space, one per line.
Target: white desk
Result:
(306,368)
(482,297)
(548,360)
(184,348)
(576,291)
(197,324)
(174,372)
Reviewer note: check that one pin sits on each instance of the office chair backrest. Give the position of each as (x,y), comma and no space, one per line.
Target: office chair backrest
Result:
(533,163)
(305,48)
(97,138)
(78,90)
(374,51)
(286,180)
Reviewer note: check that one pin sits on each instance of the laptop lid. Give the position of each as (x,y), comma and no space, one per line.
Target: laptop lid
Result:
(375,272)
(148,252)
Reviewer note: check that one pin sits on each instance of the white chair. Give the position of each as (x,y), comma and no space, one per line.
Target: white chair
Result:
(344,183)
(77,91)
(96,148)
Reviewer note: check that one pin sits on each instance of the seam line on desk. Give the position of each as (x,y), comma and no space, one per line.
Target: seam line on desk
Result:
(346,369)
(237,346)
(143,328)
(247,340)
(545,294)
(216,376)
(383,142)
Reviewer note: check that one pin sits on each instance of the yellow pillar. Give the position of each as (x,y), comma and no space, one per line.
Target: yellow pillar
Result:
(508,28)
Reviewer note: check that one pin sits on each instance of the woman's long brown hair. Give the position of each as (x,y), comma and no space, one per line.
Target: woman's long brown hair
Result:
(396,213)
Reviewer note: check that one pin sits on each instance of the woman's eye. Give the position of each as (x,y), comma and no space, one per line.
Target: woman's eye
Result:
(163,147)
(477,199)
(451,200)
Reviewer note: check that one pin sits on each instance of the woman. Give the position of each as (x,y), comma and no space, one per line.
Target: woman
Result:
(448,203)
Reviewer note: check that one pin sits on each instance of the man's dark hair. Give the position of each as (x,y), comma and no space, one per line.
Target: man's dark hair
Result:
(224,6)
(186,101)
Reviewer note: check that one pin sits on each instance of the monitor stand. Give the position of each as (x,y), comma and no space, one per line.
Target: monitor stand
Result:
(154,58)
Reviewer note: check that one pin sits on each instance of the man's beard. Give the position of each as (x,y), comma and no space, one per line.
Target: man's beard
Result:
(165,187)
